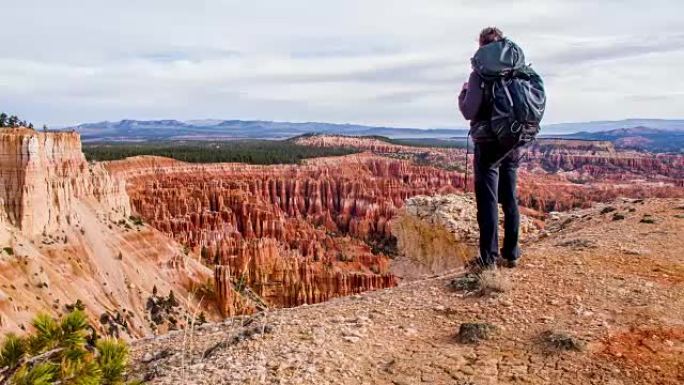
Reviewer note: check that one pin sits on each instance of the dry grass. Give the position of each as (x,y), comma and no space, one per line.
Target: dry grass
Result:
(484,283)
(493,282)
(188,335)
(557,340)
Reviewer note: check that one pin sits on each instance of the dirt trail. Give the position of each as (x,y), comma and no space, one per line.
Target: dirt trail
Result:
(611,277)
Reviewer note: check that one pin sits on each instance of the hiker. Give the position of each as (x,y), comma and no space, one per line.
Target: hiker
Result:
(499,131)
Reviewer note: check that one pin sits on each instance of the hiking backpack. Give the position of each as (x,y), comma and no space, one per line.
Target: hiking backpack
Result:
(516,93)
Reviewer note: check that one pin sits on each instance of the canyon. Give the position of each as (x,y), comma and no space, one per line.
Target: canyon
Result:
(291,234)
(287,235)
(229,239)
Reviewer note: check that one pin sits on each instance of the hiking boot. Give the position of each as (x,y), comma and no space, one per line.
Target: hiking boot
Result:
(510,263)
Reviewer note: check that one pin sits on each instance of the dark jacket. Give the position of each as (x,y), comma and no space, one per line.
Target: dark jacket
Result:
(474,103)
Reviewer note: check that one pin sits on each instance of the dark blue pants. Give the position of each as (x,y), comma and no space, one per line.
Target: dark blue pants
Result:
(495,185)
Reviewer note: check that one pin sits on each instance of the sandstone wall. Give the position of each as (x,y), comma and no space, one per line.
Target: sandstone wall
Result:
(66,236)
(41,174)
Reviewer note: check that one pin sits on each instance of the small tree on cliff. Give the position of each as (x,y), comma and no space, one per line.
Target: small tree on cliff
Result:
(13,121)
(58,352)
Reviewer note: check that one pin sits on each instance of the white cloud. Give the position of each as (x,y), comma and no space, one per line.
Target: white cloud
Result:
(390,62)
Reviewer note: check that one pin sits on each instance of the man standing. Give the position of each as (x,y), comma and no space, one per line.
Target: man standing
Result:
(495,167)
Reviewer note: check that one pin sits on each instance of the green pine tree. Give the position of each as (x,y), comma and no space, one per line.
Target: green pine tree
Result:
(57,351)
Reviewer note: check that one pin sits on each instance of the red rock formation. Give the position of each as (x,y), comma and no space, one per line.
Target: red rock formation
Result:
(561,175)
(297,234)
(287,280)
(555,174)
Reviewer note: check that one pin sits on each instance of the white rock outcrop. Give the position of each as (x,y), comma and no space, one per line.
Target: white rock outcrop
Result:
(437,234)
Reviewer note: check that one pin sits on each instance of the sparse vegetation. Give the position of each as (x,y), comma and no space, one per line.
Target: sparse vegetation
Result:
(384,245)
(204,290)
(468,283)
(60,352)
(473,332)
(115,324)
(561,341)
(648,219)
(163,310)
(136,220)
(492,281)
(577,243)
(485,283)
(13,121)
(201,319)
(78,305)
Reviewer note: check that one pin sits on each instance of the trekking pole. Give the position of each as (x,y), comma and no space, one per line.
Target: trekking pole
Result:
(465,186)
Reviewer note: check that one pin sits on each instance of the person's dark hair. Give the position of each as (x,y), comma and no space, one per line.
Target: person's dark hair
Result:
(490,35)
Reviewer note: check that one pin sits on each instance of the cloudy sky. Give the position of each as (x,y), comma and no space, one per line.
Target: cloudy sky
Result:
(384,62)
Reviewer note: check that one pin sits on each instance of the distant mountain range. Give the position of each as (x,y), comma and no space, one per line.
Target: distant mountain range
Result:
(609,125)
(647,134)
(241,129)
(638,138)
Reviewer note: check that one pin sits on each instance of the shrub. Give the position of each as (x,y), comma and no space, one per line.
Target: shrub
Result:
(648,219)
(136,220)
(557,340)
(59,351)
(473,332)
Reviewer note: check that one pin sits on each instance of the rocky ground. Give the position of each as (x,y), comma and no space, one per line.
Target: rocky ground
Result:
(597,299)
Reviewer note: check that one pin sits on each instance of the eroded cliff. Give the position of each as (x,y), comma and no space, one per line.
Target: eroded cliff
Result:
(67,236)
(41,176)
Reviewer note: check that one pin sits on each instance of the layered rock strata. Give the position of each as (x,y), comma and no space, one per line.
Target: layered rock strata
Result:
(42,174)
(66,237)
